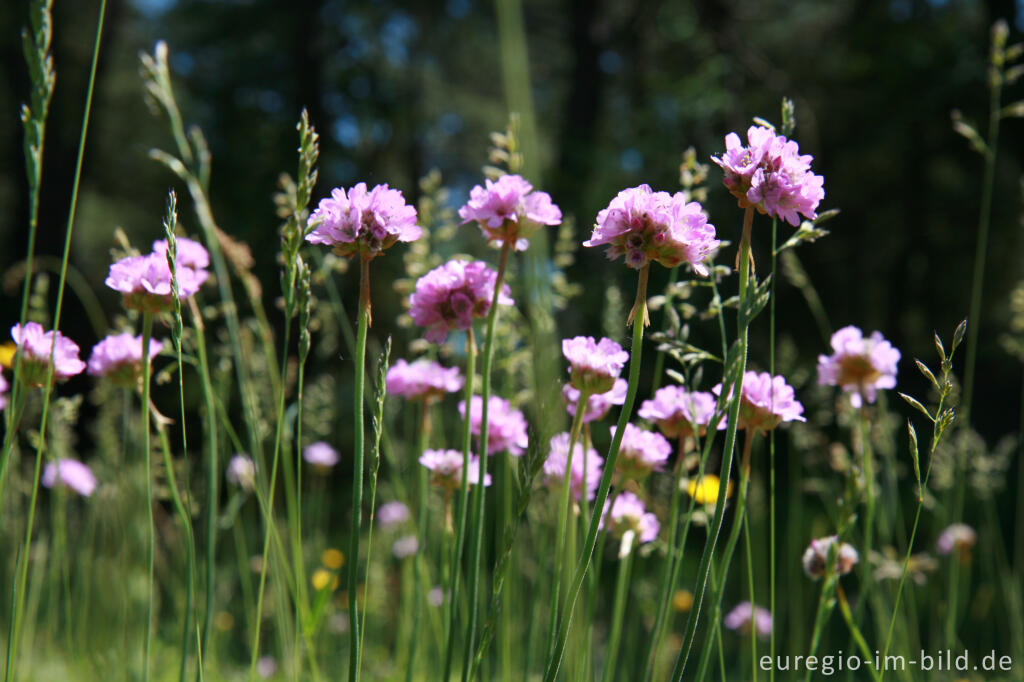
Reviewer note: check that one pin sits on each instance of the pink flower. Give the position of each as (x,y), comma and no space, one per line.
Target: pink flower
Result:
(452,295)
(959,538)
(766,402)
(423,379)
(593,365)
(554,467)
(190,253)
(506,427)
(599,403)
(509,210)
(859,365)
(70,473)
(391,514)
(145,281)
(646,226)
(746,617)
(641,452)
(771,175)
(629,513)
(3,392)
(34,347)
(405,546)
(119,358)
(815,559)
(363,222)
(242,472)
(677,411)
(320,455)
(447,468)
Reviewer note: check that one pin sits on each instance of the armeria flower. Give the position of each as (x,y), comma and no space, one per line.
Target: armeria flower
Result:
(3,392)
(508,210)
(771,175)
(593,365)
(145,281)
(447,468)
(590,469)
(599,403)
(70,473)
(859,365)
(242,472)
(629,513)
(704,490)
(363,222)
(391,514)
(641,452)
(815,559)
(745,617)
(958,538)
(118,357)
(423,379)
(405,546)
(644,226)
(35,346)
(189,253)
(766,402)
(321,455)
(676,411)
(452,295)
(506,426)
(436,596)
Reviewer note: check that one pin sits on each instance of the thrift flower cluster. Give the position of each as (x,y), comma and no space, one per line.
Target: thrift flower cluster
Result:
(423,379)
(363,221)
(145,281)
(447,468)
(677,411)
(815,559)
(766,401)
(628,513)
(509,210)
(594,365)
(859,365)
(70,473)
(585,472)
(35,346)
(119,358)
(506,426)
(452,295)
(746,618)
(641,452)
(598,404)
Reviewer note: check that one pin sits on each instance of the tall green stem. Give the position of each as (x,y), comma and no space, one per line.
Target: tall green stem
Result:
(147,334)
(639,315)
(771,452)
(742,323)
(423,442)
(626,556)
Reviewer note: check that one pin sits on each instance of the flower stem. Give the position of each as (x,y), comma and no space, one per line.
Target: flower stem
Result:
(421,532)
(865,650)
(640,308)
(771,452)
(479,494)
(626,555)
(147,334)
(742,323)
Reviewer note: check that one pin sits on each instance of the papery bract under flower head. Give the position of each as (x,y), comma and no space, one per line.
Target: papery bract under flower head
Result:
(422,379)
(508,210)
(34,348)
(598,404)
(677,411)
(446,466)
(363,221)
(71,473)
(646,226)
(766,401)
(506,426)
(145,281)
(859,365)
(594,365)
(586,464)
(771,175)
(118,358)
(452,295)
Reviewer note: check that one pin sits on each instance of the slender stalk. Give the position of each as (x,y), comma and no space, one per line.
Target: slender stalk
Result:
(742,323)
(640,314)
(865,650)
(626,557)
(869,490)
(771,452)
(147,334)
(421,532)
(480,490)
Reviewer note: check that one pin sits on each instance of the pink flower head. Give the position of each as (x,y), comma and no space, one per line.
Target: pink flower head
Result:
(321,455)
(447,468)
(405,546)
(70,473)
(452,295)
(770,174)
(508,209)
(590,469)
(641,452)
(629,513)
(646,226)
(594,365)
(119,358)
(189,253)
(145,281)
(422,379)
(598,404)
(3,391)
(506,427)
(677,411)
(958,538)
(766,402)
(242,472)
(746,617)
(363,222)
(391,514)
(35,346)
(859,365)
(815,559)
